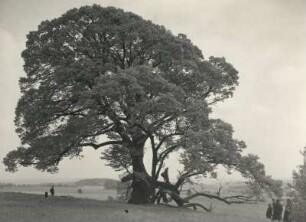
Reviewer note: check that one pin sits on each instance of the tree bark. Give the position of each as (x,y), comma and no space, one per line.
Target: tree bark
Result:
(142,187)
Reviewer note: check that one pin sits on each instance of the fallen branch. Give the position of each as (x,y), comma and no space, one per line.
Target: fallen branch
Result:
(193,205)
(238,199)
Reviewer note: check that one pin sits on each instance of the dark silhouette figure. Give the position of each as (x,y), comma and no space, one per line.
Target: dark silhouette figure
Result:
(277,211)
(288,210)
(162,193)
(165,175)
(269,212)
(126,211)
(46,194)
(273,203)
(52,190)
(273,207)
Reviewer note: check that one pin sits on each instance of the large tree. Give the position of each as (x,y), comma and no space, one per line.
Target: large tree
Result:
(107,79)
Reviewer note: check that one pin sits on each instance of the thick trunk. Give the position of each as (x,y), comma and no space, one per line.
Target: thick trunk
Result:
(137,163)
(141,193)
(142,184)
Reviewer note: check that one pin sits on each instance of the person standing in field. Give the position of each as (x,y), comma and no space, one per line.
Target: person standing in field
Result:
(288,210)
(273,207)
(52,190)
(277,211)
(269,212)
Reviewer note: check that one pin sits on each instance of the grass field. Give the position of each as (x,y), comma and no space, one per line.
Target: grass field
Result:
(20,207)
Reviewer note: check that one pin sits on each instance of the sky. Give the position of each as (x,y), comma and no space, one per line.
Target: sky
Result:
(263,39)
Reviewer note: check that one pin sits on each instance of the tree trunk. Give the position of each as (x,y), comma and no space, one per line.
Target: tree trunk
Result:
(142,184)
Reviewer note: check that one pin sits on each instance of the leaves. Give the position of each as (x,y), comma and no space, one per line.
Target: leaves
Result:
(204,150)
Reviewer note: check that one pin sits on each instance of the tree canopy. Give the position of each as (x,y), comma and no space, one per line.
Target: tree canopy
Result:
(104,78)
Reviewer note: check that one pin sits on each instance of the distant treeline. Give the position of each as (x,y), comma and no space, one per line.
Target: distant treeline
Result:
(105,182)
(3,185)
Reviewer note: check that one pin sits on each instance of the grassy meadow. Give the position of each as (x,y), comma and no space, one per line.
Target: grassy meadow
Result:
(21,207)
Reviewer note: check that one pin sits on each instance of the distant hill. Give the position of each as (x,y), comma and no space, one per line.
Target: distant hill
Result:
(105,182)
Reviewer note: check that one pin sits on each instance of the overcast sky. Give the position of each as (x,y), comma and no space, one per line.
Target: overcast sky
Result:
(263,39)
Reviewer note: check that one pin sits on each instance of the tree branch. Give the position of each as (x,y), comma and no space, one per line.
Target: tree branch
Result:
(97,146)
(158,123)
(163,156)
(106,129)
(208,92)
(184,176)
(165,138)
